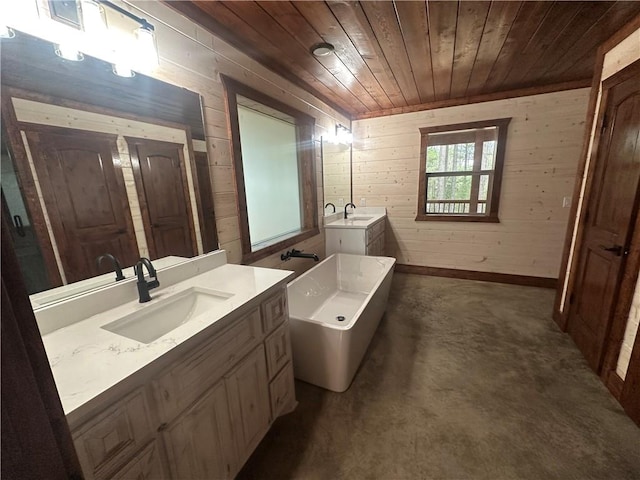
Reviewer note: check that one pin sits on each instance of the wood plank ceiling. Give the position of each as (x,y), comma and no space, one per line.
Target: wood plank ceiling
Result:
(393,56)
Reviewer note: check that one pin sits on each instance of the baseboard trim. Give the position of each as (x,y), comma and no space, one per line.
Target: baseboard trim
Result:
(615,384)
(482,276)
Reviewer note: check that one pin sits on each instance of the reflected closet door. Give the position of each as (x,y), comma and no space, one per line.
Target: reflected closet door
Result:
(81,180)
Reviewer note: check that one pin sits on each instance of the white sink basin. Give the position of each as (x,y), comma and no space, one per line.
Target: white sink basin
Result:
(163,316)
(359,219)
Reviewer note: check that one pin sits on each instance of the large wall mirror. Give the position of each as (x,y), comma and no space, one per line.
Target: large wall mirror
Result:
(96,165)
(336,173)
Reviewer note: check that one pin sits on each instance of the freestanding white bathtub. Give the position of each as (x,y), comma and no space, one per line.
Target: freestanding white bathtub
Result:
(334,310)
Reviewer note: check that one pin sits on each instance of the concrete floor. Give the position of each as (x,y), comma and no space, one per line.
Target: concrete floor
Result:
(463,379)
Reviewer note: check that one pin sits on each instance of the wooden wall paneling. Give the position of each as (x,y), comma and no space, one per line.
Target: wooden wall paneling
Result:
(415,30)
(596,36)
(386,165)
(469,30)
(352,17)
(442,37)
(383,21)
(503,15)
(329,70)
(226,21)
(545,36)
(527,19)
(323,27)
(575,30)
(27,184)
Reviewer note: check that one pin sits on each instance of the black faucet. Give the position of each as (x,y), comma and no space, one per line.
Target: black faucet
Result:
(143,285)
(345,209)
(334,207)
(298,253)
(116,265)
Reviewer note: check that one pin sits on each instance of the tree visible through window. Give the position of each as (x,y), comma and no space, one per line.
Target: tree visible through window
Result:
(461,169)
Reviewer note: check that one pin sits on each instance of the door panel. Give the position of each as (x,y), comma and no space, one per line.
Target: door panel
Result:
(610,213)
(161,182)
(209,233)
(84,191)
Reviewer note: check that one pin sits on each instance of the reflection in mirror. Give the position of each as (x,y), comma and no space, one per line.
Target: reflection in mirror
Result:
(86,160)
(336,172)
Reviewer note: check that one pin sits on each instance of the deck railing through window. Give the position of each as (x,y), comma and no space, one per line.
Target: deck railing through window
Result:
(453,206)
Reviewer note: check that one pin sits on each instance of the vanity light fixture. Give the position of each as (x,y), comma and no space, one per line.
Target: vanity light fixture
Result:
(147,52)
(93,21)
(123,70)
(322,49)
(68,52)
(6,32)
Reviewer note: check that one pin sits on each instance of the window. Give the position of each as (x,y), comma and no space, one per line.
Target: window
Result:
(461,170)
(275,172)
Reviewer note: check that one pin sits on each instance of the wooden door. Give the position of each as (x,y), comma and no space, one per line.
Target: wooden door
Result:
(84,192)
(610,213)
(248,391)
(208,227)
(160,176)
(199,442)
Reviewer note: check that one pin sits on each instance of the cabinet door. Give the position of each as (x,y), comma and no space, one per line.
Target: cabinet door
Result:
(144,466)
(199,442)
(248,391)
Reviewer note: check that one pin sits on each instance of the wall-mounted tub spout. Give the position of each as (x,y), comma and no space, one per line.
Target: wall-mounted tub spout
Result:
(298,254)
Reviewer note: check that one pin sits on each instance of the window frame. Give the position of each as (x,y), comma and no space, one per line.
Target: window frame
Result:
(493,199)
(305,128)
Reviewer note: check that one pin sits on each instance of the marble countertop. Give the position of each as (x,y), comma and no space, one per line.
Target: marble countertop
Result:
(357,220)
(87,360)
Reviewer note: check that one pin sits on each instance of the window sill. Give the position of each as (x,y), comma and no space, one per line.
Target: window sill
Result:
(251,257)
(457,218)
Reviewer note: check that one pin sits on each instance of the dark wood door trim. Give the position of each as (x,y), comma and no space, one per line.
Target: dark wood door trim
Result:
(560,314)
(209,233)
(598,166)
(621,313)
(28,187)
(630,395)
(144,206)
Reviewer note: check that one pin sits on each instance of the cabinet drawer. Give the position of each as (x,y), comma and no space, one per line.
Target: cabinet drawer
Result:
(146,465)
(110,439)
(274,311)
(278,346)
(189,378)
(281,390)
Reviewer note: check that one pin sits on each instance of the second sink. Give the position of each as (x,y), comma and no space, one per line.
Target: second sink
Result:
(161,317)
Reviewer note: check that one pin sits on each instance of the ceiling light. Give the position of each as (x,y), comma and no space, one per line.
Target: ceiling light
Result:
(322,49)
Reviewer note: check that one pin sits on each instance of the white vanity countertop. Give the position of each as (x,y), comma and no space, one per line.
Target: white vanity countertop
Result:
(87,360)
(357,220)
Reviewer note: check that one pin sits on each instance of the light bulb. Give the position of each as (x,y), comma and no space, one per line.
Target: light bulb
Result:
(92,19)
(68,52)
(123,70)
(146,49)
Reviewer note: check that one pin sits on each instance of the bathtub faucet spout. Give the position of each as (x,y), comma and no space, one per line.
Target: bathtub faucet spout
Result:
(298,253)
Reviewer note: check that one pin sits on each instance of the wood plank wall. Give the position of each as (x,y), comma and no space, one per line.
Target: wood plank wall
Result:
(543,147)
(193,58)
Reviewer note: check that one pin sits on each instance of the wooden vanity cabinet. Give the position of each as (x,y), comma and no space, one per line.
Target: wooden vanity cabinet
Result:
(356,241)
(209,409)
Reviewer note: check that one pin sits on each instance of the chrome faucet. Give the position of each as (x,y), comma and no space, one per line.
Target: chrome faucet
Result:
(116,265)
(345,209)
(143,285)
(334,207)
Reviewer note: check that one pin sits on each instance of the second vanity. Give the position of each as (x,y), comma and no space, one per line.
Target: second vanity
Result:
(361,233)
(193,402)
